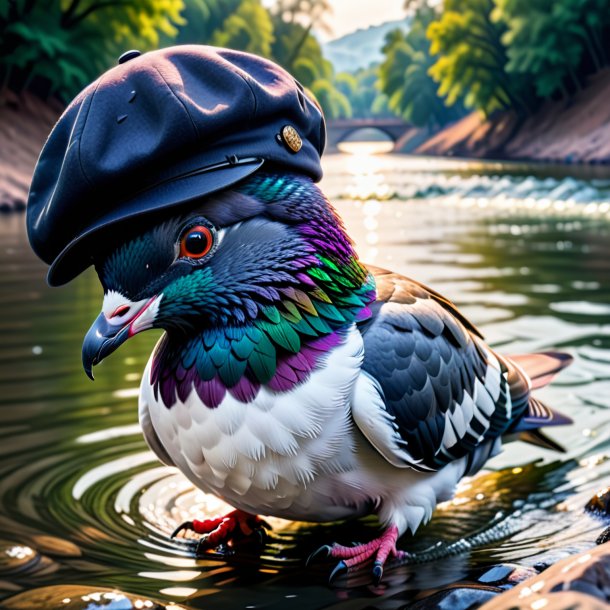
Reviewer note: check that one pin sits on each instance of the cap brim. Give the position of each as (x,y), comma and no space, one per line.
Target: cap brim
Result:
(77,255)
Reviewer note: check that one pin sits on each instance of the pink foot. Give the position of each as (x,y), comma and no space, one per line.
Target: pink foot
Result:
(355,556)
(223,530)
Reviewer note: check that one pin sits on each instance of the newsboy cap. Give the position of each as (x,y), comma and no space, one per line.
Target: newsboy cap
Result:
(162,129)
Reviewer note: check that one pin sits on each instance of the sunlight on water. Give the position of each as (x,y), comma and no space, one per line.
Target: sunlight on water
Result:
(366,149)
(524,251)
(365,167)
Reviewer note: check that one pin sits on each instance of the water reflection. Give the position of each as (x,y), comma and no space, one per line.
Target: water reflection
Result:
(365,150)
(83,501)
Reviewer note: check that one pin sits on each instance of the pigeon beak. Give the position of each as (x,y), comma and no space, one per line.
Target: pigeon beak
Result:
(106,335)
(100,341)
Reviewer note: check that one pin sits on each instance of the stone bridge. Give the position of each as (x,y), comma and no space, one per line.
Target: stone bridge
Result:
(338,130)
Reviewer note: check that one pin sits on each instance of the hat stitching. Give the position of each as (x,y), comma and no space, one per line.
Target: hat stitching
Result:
(179,101)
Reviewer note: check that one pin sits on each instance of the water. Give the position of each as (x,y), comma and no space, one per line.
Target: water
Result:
(523,251)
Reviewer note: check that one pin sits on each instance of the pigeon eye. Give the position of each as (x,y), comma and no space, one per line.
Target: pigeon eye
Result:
(196,242)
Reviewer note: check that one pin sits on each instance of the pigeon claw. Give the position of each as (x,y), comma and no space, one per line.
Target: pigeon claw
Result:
(187,525)
(377,572)
(352,558)
(325,549)
(338,569)
(236,526)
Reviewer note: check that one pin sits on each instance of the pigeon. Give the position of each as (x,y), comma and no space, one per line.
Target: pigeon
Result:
(292,380)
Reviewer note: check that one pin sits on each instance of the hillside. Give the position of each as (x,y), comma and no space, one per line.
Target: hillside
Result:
(361,48)
(577,131)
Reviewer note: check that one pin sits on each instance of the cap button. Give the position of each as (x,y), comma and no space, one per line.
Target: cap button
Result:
(128,55)
(291,138)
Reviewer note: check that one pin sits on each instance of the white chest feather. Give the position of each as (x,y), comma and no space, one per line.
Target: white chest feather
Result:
(297,455)
(270,454)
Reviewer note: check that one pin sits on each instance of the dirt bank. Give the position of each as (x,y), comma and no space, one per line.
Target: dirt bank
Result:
(25,122)
(577,131)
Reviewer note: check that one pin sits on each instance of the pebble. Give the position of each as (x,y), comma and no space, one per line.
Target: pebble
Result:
(604,536)
(471,593)
(578,582)
(456,598)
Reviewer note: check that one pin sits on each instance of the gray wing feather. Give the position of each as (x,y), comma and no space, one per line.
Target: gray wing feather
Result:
(443,390)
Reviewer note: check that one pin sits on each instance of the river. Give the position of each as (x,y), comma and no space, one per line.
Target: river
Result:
(524,251)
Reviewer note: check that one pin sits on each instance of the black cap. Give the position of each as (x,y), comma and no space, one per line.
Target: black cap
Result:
(162,129)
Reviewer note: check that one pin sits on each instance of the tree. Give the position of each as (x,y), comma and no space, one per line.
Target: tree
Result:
(249,29)
(595,17)
(404,75)
(334,103)
(544,41)
(58,46)
(472,59)
(298,51)
(202,19)
(363,92)
(294,47)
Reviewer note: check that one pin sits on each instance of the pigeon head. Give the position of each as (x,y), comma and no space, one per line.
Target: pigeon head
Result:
(241,283)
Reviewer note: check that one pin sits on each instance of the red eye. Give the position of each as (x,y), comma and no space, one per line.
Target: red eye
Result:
(196,242)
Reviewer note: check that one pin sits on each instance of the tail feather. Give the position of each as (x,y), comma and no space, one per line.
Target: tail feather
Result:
(539,369)
(538,438)
(542,367)
(527,429)
(539,415)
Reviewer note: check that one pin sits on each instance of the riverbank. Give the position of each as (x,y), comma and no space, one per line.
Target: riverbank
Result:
(25,123)
(577,131)
(561,132)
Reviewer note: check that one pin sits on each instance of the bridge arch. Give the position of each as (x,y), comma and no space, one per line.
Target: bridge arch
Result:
(337,130)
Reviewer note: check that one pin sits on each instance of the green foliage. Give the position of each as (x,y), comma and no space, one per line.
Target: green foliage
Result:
(482,54)
(334,103)
(347,84)
(66,44)
(249,29)
(283,35)
(202,20)
(405,78)
(499,54)
(296,49)
(308,13)
(239,24)
(472,59)
(491,55)
(58,46)
(547,40)
(363,92)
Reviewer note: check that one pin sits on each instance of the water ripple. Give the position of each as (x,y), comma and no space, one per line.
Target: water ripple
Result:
(83,501)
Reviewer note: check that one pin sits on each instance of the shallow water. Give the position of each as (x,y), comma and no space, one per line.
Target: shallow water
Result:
(523,251)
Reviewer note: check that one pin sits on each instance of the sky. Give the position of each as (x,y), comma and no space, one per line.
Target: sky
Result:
(350,15)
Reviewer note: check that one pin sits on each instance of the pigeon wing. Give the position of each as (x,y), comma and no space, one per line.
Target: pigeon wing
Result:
(431,390)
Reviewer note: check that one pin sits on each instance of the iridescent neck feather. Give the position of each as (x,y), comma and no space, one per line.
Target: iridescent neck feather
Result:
(294,315)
